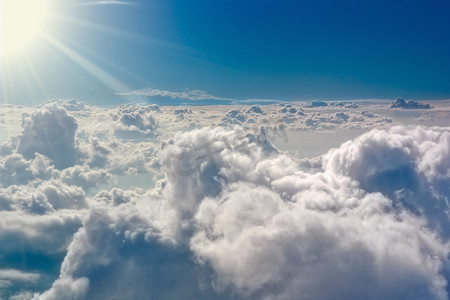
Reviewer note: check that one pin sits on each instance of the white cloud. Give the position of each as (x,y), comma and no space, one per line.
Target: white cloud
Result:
(14,169)
(104,2)
(407,164)
(46,234)
(275,249)
(51,132)
(17,275)
(66,288)
(296,117)
(116,196)
(226,215)
(69,105)
(131,118)
(85,177)
(125,247)
(44,197)
(410,104)
(186,94)
(267,229)
(14,277)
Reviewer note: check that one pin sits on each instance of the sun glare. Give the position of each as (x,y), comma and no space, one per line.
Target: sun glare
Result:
(22,21)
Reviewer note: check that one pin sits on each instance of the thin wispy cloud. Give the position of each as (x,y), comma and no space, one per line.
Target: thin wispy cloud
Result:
(187,94)
(17,275)
(104,2)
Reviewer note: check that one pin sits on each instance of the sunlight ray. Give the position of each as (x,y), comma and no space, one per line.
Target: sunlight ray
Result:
(8,91)
(132,37)
(165,47)
(111,82)
(26,84)
(99,57)
(34,74)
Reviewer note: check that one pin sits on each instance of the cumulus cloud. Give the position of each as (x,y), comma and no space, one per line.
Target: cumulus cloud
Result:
(225,214)
(85,177)
(137,118)
(24,234)
(295,117)
(317,104)
(15,169)
(409,165)
(410,104)
(43,198)
(125,247)
(36,227)
(116,196)
(69,105)
(290,249)
(262,228)
(234,117)
(51,132)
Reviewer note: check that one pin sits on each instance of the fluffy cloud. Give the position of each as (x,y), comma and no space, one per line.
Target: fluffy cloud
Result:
(410,104)
(409,165)
(36,226)
(301,233)
(15,169)
(132,117)
(51,132)
(316,117)
(279,250)
(227,215)
(30,234)
(69,105)
(85,177)
(234,117)
(116,197)
(47,197)
(125,247)
(266,229)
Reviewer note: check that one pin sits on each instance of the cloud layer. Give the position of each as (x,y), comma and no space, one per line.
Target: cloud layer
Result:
(224,214)
(267,229)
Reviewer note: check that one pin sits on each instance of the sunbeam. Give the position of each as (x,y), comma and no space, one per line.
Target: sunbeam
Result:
(111,82)
(35,76)
(125,35)
(81,49)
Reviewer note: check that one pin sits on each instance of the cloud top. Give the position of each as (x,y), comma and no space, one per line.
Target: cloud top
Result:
(410,104)
(98,200)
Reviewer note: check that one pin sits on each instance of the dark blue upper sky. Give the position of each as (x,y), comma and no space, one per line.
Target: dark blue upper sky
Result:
(288,50)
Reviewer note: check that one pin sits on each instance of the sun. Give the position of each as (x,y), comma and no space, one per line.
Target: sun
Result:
(21,23)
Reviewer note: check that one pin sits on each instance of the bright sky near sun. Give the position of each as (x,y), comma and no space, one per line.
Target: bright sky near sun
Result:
(22,22)
(288,50)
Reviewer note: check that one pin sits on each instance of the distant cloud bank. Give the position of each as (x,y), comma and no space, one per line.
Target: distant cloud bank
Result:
(410,104)
(103,2)
(186,94)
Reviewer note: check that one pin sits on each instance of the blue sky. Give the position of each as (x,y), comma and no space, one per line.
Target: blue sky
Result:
(287,50)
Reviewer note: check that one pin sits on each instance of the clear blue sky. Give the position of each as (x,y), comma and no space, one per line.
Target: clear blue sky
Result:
(278,49)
